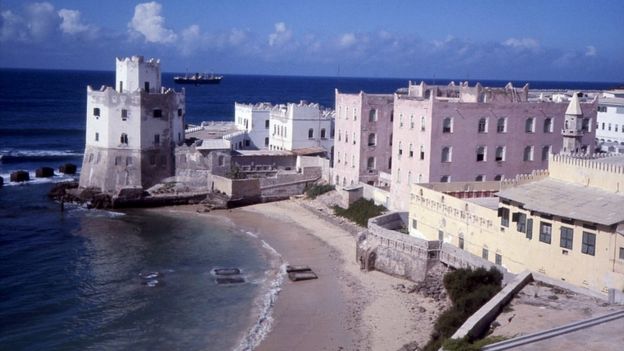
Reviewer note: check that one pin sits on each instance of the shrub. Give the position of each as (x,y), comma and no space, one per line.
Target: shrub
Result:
(315,190)
(468,290)
(465,345)
(360,211)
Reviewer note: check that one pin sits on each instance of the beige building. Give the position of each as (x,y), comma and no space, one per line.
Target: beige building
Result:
(566,223)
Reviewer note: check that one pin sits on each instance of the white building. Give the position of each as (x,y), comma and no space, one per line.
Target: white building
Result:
(300,126)
(610,122)
(253,119)
(132,130)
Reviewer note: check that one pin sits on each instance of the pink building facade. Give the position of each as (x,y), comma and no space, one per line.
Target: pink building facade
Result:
(363,140)
(458,133)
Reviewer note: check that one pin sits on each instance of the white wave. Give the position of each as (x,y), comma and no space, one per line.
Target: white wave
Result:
(37,153)
(252,234)
(264,323)
(57,178)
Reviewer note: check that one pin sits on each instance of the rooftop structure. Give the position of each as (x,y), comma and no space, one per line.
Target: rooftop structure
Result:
(610,124)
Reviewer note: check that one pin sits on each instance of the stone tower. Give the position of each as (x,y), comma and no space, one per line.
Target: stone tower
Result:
(132,130)
(574,128)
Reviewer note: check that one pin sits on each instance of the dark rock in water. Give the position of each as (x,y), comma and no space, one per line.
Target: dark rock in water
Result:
(68,168)
(44,172)
(230,280)
(226,271)
(20,176)
(1,181)
(59,191)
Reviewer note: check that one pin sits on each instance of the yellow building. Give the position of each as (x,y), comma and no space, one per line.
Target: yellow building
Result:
(566,223)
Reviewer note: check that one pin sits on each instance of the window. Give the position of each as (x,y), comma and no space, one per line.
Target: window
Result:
(389,162)
(482,125)
(414,224)
(461,241)
(266,124)
(156,139)
(400,120)
(422,123)
(323,133)
(520,221)
(529,229)
(180,113)
(481,154)
(400,149)
(585,125)
(266,141)
(124,114)
(124,138)
(529,125)
(621,253)
(339,135)
(445,179)
(409,177)
(447,125)
(440,235)
(310,133)
(352,161)
(498,259)
(372,115)
(545,152)
(247,142)
(484,253)
(412,122)
(422,152)
(147,86)
(96,112)
(411,150)
(446,154)
(589,244)
(501,125)
(157,113)
(548,125)
(566,238)
(390,141)
(152,160)
(391,116)
(500,154)
(480,178)
(528,153)
(353,138)
(370,163)
(545,232)
(372,139)
(503,213)
(498,177)
(128,161)
(117,160)
(602,109)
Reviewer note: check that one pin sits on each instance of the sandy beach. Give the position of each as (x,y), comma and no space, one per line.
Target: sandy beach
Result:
(345,309)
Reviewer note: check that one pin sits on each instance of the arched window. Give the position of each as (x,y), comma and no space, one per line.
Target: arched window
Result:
(124,138)
(370,163)
(498,177)
(372,115)
(411,121)
(446,154)
(422,123)
(411,150)
(482,128)
(323,133)
(447,125)
(310,133)
(339,135)
(501,125)
(528,153)
(481,154)
(480,178)
(548,125)
(500,154)
(372,139)
(422,152)
(545,152)
(400,149)
(529,125)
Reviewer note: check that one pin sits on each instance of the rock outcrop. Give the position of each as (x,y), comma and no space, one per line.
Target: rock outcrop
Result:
(20,176)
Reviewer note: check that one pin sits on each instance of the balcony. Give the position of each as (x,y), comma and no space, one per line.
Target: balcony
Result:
(572,132)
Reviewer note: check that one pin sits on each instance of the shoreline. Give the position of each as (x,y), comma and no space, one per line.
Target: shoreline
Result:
(345,309)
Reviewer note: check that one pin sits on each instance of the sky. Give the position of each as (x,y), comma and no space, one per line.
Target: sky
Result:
(567,40)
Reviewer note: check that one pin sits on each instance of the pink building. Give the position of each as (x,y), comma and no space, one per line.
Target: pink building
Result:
(462,133)
(363,140)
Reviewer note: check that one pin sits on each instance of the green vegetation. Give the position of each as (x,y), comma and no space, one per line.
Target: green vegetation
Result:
(465,345)
(315,190)
(468,290)
(360,211)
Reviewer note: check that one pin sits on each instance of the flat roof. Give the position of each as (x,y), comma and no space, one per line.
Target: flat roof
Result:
(488,202)
(214,144)
(264,152)
(617,160)
(568,200)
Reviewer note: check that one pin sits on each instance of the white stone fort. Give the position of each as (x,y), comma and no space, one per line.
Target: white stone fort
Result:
(132,129)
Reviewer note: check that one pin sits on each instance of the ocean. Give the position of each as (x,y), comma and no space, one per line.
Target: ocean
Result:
(75,280)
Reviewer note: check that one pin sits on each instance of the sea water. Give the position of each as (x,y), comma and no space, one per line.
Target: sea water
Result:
(77,280)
